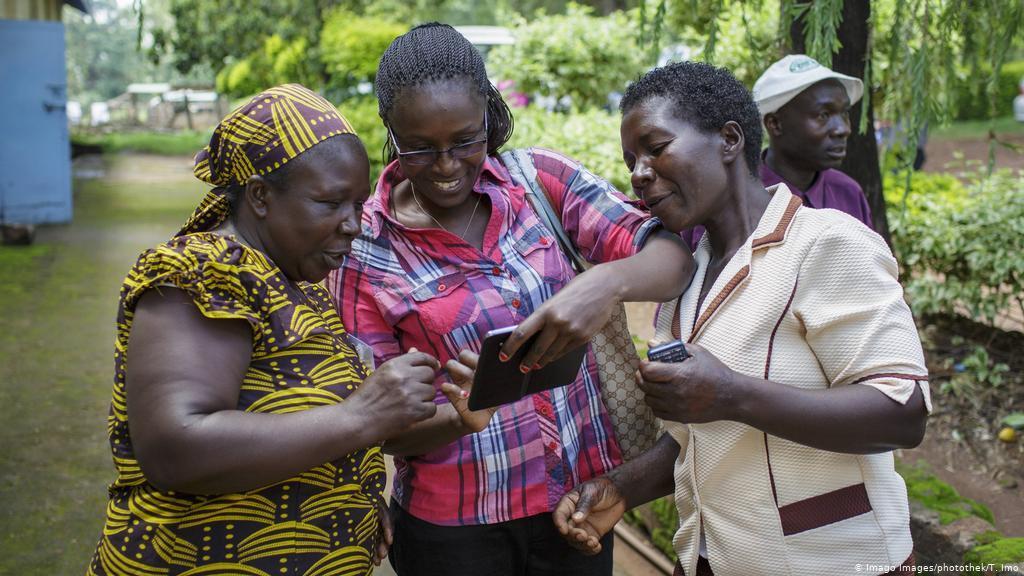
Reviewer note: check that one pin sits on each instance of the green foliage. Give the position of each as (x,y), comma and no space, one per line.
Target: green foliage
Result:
(1014,420)
(971,370)
(278,61)
(351,46)
(660,520)
(973,104)
(940,497)
(922,55)
(102,58)
(999,551)
(575,55)
(213,32)
(960,246)
(589,136)
(361,112)
(741,36)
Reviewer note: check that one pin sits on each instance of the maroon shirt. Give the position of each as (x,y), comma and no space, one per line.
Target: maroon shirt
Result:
(830,189)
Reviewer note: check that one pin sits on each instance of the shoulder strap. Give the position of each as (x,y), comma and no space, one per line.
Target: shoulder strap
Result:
(521,168)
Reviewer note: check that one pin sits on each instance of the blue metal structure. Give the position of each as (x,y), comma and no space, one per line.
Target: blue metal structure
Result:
(35,156)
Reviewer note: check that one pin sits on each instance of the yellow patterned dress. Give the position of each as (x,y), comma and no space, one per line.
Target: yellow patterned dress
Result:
(322,522)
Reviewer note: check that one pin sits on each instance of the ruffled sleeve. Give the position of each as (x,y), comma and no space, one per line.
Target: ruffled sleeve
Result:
(221,276)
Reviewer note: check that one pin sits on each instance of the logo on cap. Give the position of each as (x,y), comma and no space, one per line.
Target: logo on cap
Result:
(803,64)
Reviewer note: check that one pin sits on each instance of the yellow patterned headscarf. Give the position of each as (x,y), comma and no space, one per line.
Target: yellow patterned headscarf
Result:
(257,138)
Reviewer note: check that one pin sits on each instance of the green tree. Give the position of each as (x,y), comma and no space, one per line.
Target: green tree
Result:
(102,56)
(914,55)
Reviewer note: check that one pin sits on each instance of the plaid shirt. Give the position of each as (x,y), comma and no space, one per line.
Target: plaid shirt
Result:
(426,288)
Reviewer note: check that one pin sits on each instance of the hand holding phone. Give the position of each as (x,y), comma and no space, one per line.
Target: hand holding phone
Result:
(674,351)
(496,382)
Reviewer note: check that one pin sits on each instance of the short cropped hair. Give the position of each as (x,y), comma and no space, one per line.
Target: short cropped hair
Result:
(705,96)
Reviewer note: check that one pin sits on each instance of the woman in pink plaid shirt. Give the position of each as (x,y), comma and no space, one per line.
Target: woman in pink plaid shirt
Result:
(451,249)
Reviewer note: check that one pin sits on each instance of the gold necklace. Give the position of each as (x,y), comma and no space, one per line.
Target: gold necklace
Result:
(443,227)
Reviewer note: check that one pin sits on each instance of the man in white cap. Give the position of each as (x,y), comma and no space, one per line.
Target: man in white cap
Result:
(805,108)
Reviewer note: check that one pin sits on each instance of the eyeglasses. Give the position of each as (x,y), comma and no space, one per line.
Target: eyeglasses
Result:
(429,156)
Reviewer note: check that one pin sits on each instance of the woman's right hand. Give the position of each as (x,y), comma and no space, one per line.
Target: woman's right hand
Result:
(400,392)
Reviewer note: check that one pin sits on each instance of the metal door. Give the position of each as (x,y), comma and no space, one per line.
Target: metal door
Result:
(35,157)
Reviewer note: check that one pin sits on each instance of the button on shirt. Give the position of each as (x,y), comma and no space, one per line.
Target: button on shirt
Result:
(830,188)
(427,288)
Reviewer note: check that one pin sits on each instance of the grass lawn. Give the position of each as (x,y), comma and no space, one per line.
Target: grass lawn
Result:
(182,143)
(58,301)
(978,129)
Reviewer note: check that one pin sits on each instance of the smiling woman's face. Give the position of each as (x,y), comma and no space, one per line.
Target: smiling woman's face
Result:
(677,170)
(438,116)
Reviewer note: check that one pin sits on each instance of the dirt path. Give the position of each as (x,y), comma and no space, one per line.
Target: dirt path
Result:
(945,155)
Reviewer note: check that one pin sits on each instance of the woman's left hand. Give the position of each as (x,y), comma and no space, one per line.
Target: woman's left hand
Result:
(385,532)
(696,390)
(567,320)
(462,372)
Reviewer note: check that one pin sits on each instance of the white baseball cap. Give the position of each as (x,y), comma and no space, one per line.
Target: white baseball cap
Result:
(783,80)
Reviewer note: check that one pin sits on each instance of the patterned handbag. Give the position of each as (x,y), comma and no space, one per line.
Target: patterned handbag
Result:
(636,428)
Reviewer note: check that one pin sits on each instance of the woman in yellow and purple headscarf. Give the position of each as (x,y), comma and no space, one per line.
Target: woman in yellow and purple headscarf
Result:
(244,427)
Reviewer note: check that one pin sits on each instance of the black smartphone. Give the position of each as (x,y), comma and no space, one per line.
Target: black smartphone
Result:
(674,351)
(497,382)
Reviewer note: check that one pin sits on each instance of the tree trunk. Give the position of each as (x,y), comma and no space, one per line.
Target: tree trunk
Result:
(861,161)
(861,148)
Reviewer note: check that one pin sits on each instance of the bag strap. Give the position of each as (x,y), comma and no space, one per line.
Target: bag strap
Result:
(523,171)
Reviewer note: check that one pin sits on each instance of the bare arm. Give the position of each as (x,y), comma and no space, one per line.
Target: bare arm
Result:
(855,419)
(660,271)
(184,374)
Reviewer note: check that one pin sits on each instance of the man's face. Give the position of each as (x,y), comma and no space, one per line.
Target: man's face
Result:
(810,131)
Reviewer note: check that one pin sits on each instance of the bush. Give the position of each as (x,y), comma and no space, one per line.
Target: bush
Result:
(361,112)
(575,55)
(591,136)
(960,245)
(277,62)
(971,98)
(351,47)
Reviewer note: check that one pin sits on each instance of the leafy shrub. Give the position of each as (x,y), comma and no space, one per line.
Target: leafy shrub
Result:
(960,245)
(277,62)
(590,136)
(576,55)
(972,100)
(361,112)
(351,47)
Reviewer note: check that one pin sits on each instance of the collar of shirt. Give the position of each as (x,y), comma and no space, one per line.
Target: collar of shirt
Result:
(494,181)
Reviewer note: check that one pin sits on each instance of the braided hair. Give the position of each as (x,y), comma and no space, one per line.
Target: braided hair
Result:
(436,52)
